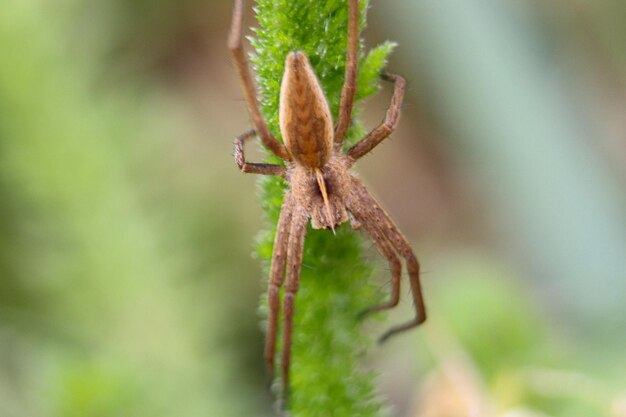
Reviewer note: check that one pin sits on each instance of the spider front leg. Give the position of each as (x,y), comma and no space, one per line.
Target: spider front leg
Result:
(374,218)
(349,84)
(386,128)
(241,63)
(251,167)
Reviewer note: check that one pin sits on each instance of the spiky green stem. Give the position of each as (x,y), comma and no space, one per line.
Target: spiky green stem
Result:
(326,377)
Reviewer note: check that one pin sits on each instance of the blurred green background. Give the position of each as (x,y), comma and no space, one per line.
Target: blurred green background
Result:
(127,286)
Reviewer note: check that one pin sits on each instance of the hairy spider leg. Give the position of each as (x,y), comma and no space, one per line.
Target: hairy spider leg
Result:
(252,167)
(249,89)
(364,206)
(384,246)
(277,274)
(348,90)
(297,233)
(388,125)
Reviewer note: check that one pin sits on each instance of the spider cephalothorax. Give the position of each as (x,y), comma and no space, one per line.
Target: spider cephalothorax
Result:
(322,192)
(317,171)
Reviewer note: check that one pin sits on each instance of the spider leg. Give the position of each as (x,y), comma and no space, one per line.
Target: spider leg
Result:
(383,130)
(362,203)
(297,233)
(250,167)
(386,249)
(349,85)
(241,64)
(277,273)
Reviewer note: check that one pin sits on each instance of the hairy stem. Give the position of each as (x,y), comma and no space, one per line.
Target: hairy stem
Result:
(326,376)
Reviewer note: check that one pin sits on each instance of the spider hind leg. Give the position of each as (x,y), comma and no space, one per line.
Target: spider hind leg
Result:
(390,243)
(277,273)
(295,250)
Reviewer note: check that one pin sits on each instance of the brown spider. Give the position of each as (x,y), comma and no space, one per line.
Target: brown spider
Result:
(317,171)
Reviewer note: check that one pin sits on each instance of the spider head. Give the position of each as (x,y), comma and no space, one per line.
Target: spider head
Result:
(322,192)
(305,120)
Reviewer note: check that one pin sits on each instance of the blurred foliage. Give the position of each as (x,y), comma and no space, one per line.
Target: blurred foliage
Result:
(107,292)
(491,351)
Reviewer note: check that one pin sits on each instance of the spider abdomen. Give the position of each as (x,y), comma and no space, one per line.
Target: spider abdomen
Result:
(305,121)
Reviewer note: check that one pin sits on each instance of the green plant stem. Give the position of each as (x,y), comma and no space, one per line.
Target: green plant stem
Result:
(326,378)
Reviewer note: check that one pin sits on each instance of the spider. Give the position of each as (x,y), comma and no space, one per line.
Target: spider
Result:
(317,171)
